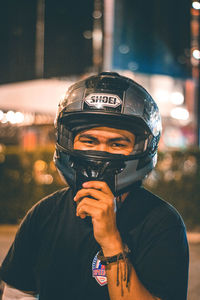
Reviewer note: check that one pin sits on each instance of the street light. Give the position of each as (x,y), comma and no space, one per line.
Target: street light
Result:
(196,54)
(196,4)
(179,113)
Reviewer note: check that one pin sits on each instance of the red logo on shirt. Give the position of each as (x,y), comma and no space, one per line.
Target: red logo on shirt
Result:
(98,271)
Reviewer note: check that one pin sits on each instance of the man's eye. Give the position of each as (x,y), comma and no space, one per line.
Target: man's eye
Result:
(87,142)
(118,145)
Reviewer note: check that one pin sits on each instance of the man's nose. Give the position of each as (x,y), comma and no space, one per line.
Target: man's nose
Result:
(102,147)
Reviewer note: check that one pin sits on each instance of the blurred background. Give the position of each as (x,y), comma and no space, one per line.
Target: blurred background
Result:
(45,46)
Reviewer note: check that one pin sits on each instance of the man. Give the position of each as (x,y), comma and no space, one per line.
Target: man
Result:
(105,237)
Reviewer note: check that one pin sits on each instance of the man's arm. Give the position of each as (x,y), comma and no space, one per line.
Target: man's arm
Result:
(102,210)
(135,289)
(10,293)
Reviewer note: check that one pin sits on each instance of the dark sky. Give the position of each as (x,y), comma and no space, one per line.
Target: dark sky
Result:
(157,33)
(65,45)
(17,43)
(67,52)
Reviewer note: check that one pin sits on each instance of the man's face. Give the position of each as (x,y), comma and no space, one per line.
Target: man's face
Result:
(116,141)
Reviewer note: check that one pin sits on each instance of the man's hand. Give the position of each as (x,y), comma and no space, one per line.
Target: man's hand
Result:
(101,207)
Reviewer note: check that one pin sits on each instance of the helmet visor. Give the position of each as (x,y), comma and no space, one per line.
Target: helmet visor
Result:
(141,144)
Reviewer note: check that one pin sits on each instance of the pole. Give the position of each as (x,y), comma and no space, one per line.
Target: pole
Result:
(198,92)
(109,6)
(97,36)
(39,47)
(195,63)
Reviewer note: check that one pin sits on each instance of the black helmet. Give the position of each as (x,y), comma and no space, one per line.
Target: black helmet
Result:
(112,100)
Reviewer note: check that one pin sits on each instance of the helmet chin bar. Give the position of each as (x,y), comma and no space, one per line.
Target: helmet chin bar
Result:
(96,165)
(117,170)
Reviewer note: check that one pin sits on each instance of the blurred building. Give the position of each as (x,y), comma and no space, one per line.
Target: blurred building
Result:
(27,109)
(157,44)
(154,42)
(27,112)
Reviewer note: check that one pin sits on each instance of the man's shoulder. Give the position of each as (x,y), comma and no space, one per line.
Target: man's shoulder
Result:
(47,210)
(162,212)
(50,202)
(154,219)
(54,197)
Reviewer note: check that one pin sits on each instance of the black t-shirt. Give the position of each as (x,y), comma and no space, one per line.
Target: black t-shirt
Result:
(54,252)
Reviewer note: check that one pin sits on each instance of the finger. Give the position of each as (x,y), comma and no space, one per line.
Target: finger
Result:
(92,203)
(96,194)
(83,215)
(90,211)
(99,185)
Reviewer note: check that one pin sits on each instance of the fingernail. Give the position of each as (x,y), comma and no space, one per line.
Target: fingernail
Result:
(84,184)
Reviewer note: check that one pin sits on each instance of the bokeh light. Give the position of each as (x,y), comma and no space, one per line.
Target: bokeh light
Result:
(180,113)
(196,4)
(177,98)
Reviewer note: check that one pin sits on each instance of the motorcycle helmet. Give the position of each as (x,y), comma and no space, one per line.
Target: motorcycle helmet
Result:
(107,99)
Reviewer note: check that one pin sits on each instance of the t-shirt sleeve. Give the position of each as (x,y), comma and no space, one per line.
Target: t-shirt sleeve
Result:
(17,268)
(162,263)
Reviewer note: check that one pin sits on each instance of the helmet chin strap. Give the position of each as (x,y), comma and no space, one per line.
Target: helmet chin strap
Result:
(90,168)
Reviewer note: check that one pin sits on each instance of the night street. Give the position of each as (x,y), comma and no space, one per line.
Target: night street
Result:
(99,106)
